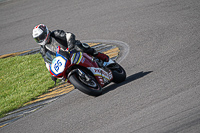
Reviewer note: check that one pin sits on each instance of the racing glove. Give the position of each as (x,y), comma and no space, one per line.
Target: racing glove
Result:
(63,53)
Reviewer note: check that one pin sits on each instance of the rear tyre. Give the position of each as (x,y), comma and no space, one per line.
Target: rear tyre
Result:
(91,87)
(119,74)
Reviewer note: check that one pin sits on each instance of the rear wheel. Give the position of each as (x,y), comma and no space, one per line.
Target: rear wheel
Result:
(119,74)
(89,87)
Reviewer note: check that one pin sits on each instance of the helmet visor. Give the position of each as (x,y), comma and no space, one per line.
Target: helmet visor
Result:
(41,37)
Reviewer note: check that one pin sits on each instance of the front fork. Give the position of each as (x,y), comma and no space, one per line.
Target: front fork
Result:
(83,75)
(80,73)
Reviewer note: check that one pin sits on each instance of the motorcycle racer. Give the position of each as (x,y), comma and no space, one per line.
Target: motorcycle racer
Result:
(50,40)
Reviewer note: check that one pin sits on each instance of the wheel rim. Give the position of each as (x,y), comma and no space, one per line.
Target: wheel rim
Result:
(90,83)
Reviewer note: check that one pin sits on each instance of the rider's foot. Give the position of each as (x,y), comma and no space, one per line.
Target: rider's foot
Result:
(102,57)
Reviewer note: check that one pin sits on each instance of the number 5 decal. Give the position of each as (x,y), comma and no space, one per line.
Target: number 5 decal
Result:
(58,65)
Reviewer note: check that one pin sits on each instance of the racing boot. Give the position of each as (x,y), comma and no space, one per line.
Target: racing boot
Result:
(102,57)
(54,79)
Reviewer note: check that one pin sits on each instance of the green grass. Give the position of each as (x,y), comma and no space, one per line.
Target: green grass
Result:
(22,79)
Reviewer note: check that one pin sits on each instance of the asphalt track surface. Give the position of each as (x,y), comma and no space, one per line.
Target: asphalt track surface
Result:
(162,90)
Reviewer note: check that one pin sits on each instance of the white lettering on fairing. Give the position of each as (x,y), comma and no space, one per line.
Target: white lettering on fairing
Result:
(101,72)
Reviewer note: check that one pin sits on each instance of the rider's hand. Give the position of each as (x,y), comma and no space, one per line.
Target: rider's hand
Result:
(63,53)
(42,51)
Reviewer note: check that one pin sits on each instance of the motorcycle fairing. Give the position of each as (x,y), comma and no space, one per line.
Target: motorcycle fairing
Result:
(58,65)
(109,62)
(76,58)
(101,72)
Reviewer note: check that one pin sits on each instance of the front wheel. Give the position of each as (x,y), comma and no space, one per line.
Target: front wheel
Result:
(90,87)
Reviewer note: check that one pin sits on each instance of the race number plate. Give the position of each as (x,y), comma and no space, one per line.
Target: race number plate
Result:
(58,65)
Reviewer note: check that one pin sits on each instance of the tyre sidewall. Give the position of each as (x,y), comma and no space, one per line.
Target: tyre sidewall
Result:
(118,77)
(84,88)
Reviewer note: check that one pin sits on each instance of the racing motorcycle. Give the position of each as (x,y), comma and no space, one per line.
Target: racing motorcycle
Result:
(87,73)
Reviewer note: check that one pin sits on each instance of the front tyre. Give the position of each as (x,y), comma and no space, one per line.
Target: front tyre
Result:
(91,87)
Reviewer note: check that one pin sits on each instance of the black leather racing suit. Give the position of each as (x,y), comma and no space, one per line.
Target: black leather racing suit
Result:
(64,40)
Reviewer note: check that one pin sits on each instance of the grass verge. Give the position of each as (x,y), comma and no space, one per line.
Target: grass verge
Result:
(22,79)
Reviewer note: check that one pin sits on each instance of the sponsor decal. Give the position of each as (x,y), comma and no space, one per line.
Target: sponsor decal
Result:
(101,72)
(76,58)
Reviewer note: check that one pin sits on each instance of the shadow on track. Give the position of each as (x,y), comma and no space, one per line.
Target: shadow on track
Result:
(128,79)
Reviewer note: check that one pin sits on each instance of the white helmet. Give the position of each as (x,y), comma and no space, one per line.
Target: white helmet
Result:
(41,34)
